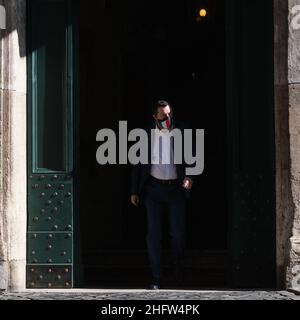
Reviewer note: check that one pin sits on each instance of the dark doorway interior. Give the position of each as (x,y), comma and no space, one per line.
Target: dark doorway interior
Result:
(131,54)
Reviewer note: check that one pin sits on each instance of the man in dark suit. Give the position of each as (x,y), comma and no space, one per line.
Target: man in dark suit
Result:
(162,186)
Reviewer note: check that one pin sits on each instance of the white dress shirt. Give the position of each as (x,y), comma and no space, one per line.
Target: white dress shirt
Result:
(162,155)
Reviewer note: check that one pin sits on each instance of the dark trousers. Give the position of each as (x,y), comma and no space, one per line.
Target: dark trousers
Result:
(158,198)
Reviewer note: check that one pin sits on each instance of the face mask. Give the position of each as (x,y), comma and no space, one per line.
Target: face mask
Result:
(166,123)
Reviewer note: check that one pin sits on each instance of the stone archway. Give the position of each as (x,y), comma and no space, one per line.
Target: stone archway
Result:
(287,122)
(2,18)
(13,147)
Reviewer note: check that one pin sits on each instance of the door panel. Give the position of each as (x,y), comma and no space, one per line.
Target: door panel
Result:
(50,145)
(251,163)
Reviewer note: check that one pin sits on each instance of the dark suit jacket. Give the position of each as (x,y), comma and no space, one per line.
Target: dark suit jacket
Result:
(141,172)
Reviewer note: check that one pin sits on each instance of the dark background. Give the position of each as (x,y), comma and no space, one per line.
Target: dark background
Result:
(133,53)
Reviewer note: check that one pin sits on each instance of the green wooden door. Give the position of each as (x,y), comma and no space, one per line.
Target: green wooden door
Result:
(251,171)
(50,243)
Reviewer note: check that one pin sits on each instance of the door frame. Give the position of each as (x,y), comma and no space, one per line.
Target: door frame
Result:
(232,154)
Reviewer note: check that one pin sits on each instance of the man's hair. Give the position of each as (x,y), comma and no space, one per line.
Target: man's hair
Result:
(159,104)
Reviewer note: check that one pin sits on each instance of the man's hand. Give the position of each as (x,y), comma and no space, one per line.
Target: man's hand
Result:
(135,200)
(187,184)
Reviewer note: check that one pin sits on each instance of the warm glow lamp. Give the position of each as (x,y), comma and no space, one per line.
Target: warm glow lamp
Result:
(202,13)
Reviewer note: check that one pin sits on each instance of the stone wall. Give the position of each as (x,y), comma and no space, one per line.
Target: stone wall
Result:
(293,250)
(13,147)
(284,205)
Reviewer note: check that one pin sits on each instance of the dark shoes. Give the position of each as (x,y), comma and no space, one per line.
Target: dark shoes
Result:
(154,287)
(178,278)
(155,284)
